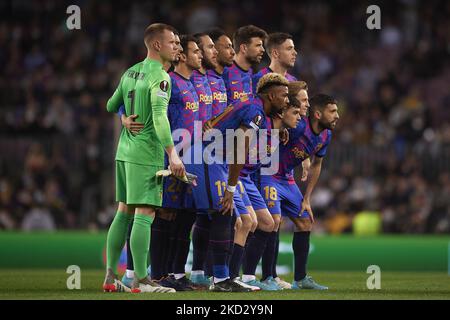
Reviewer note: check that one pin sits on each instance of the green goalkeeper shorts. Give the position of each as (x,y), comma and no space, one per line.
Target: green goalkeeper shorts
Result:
(137,184)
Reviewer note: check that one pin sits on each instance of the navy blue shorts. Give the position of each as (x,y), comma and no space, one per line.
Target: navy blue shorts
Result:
(282,197)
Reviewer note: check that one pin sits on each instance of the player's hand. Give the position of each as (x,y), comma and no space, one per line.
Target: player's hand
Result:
(284,136)
(238,224)
(306,206)
(131,125)
(306,164)
(227,203)
(176,165)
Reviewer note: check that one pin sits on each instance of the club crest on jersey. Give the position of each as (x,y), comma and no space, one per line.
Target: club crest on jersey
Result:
(164,85)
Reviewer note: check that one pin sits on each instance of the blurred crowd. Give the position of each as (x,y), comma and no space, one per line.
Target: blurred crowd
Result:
(57,140)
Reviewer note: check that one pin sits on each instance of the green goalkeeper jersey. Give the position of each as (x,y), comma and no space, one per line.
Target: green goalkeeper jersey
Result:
(145,90)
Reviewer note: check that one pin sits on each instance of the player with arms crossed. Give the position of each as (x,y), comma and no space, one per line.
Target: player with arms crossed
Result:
(145,91)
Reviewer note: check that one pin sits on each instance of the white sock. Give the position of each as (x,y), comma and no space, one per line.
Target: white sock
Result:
(216,280)
(247,278)
(197,273)
(179,275)
(130,273)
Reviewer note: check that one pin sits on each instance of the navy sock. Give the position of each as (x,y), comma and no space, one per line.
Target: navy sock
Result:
(250,237)
(233,221)
(254,251)
(277,249)
(219,240)
(172,248)
(209,261)
(130,265)
(184,220)
(158,247)
(300,245)
(268,258)
(200,239)
(236,260)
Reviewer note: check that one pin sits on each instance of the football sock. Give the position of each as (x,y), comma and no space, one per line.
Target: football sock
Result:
(117,235)
(233,222)
(268,258)
(200,239)
(219,241)
(277,249)
(129,254)
(158,246)
(254,251)
(209,261)
(184,220)
(300,245)
(172,248)
(236,260)
(250,236)
(140,241)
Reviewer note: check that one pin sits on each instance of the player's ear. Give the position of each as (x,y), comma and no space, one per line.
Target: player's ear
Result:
(157,45)
(183,57)
(243,48)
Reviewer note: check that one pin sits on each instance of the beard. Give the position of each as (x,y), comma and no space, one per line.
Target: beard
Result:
(207,64)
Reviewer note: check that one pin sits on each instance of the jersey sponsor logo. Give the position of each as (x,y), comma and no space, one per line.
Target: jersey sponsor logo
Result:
(299,154)
(185,91)
(193,106)
(234,82)
(198,85)
(164,85)
(219,96)
(213,83)
(239,95)
(206,99)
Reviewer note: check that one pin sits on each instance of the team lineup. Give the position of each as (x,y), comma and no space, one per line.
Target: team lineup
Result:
(232,209)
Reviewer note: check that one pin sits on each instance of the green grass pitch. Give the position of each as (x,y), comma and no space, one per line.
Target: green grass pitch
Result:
(51,284)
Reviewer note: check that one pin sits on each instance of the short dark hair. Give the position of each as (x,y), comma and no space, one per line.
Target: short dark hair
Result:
(320,101)
(244,34)
(216,33)
(198,36)
(184,41)
(156,29)
(275,39)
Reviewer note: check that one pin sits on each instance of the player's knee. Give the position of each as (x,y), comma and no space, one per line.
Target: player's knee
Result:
(303,225)
(148,211)
(123,207)
(247,223)
(166,214)
(266,224)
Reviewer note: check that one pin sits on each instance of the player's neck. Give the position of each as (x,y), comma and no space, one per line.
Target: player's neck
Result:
(277,68)
(183,70)
(242,63)
(277,123)
(316,128)
(202,70)
(155,56)
(219,68)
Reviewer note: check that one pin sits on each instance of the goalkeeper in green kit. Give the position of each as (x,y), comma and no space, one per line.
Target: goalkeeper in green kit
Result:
(145,91)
